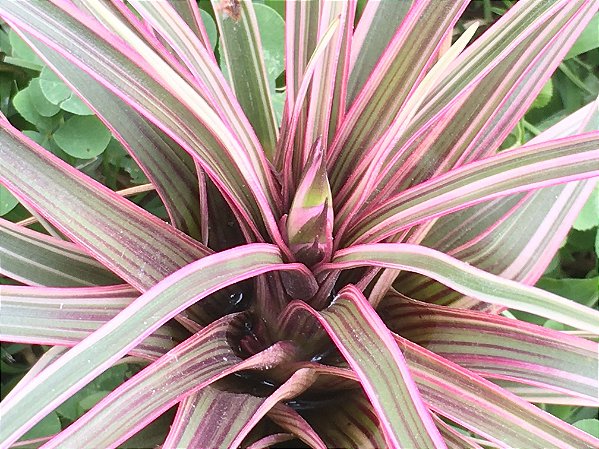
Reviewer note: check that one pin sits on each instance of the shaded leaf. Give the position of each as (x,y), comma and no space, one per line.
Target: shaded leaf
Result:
(588,40)
(7,201)
(368,347)
(589,215)
(83,137)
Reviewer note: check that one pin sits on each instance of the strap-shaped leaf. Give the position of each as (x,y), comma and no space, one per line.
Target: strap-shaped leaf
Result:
(270,440)
(540,395)
(453,438)
(290,420)
(49,357)
(481,236)
(486,409)
(467,280)
(377,25)
(290,158)
(301,31)
(410,52)
(475,130)
(368,347)
(361,184)
(295,385)
(170,169)
(326,105)
(188,10)
(221,418)
(61,316)
(548,214)
(360,429)
(38,259)
(200,419)
(202,65)
(137,246)
(186,117)
(497,347)
(526,168)
(194,364)
(142,317)
(241,47)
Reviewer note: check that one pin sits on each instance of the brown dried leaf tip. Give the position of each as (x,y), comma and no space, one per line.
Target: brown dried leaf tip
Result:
(230,8)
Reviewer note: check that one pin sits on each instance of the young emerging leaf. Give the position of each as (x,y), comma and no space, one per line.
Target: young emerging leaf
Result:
(310,220)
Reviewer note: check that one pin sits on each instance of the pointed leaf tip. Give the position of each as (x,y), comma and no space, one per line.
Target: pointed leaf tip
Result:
(310,221)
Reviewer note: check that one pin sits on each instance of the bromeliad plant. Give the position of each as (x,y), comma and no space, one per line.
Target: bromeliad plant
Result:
(338,279)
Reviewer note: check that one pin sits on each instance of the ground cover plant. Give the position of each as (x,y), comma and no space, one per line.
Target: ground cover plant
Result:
(342,240)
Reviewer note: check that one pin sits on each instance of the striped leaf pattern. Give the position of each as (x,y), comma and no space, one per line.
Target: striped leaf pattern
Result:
(332,281)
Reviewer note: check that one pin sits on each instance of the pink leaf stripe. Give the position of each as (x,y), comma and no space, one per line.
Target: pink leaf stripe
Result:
(200,61)
(526,168)
(271,440)
(465,279)
(166,165)
(453,438)
(496,347)
(49,357)
(486,409)
(297,384)
(244,175)
(290,420)
(475,130)
(65,316)
(368,346)
(349,421)
(376,27)
(130,241)
(478,234)
(57,263)
(241,47)
(196,363)
(142,317)
(403,64)
(212,417)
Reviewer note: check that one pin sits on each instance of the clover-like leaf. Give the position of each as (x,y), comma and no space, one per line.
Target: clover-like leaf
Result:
(7,201)
(589,215)
(58,93)
(84,137)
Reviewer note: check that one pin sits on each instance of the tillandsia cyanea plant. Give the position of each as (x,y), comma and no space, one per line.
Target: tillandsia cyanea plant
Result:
(338,279)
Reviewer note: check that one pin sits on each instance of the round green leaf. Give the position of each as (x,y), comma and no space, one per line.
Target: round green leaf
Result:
(83,137)
(58,93)
(590,426)
(35,136)
(210,28)
(552,324)
(544,96)
(589,215)
(75,105)
(39,101)
(52,87)
(5,42)
(24,105)
(92,399)
(588,39)
(7,201)
(583,291)
(278,102)
(20,49)
(272,35)
(50,425)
